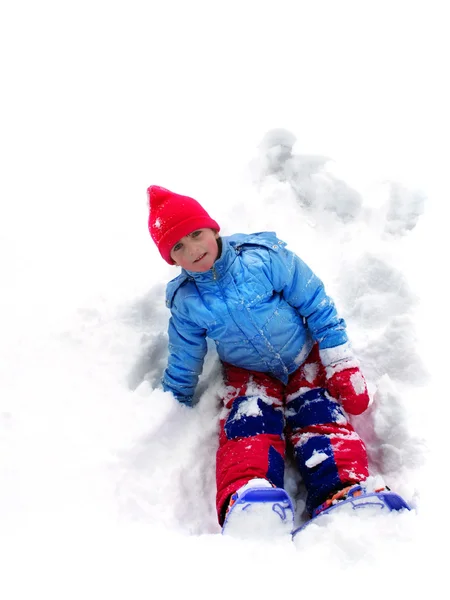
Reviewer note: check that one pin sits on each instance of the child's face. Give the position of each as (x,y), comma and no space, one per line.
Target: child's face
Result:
(196,251)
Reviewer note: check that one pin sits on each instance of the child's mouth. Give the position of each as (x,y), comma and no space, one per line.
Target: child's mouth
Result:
(200,257)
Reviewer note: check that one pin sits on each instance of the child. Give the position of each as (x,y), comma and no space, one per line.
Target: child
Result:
(288,368)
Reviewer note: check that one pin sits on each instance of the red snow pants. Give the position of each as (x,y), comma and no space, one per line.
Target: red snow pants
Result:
(261,415)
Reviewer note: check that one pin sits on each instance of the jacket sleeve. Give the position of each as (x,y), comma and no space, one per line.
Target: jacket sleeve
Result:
(187,350)
(303,290)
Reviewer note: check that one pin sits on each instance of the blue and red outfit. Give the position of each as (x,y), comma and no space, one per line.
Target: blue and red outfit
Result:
(284,349)
(256,426)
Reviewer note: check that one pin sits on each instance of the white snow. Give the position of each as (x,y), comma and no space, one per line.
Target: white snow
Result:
(107,485)
(331,356)
(248,408)
(358,383)
(315,459)
(311,372)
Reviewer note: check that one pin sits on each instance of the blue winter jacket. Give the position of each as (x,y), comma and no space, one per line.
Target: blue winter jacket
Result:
(263,307)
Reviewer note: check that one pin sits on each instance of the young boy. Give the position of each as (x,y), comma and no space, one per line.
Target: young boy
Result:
(289,372)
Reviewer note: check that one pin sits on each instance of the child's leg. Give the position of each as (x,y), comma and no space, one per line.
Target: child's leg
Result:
(328,451)
(251,442)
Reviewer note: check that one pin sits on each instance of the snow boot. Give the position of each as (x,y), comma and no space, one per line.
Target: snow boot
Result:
(357,497)
(259,511)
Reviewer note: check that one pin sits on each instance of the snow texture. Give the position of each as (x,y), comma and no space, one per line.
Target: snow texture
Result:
(332,356)
(107,484)
(358,383)
(316,459)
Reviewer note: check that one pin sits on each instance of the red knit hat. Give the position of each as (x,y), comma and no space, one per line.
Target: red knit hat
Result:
(173,216)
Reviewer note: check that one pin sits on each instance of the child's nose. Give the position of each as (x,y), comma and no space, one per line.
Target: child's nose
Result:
(192,249)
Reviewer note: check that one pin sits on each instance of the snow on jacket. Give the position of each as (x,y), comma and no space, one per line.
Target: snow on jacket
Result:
(260,303)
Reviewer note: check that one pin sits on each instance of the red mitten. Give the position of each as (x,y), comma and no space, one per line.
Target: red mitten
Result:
(349,387)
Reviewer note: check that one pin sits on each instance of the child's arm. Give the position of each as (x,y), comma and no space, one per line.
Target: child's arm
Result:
(305,292)
(187,350)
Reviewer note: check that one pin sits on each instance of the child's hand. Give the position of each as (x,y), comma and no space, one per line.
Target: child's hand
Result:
(349,387)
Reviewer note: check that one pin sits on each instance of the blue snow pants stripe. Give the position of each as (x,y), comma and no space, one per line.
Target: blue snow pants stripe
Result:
(275,471)
(314,407)
(321,478)
(258,418)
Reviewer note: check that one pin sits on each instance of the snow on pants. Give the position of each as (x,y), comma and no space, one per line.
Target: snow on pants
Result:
(261,414)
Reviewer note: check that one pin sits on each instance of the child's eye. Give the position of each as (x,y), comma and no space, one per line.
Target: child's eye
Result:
(177,247)
(196,233)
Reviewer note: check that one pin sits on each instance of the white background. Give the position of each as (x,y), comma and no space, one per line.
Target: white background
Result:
(100,471)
